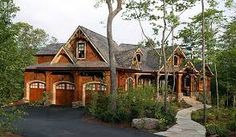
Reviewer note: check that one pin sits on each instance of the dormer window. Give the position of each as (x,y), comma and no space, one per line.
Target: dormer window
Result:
(81,50)
(176,60)
(138,57)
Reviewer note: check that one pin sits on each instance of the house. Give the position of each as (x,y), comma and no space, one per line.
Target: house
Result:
(70,71)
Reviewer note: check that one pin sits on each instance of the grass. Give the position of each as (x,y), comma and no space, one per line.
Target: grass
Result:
(220,122)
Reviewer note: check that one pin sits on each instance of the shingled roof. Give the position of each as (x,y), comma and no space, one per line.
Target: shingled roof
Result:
(99,41)
(50,49)
(124,53)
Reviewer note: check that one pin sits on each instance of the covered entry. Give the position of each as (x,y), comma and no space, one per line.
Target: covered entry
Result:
(36,90)
(64,93)
(91,87)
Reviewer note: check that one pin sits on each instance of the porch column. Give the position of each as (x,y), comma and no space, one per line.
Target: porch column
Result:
(179,86)
(107,81)
(76,81)
(47,81)
(191,85)
(158,85)
(49,88)
(136,80)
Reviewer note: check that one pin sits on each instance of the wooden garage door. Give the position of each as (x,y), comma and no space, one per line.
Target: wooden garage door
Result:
(64,93)
(93,87)
(36,91)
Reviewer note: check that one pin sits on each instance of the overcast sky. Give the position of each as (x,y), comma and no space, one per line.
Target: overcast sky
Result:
(61,17)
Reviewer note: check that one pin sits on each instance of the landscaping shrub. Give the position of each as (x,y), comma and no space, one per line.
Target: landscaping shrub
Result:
(135,103)
(7,117)
(217,129)
(219,122)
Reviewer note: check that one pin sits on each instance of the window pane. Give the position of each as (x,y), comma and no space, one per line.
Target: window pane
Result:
(81,50)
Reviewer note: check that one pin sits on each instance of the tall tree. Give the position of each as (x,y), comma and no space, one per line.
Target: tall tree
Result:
(203,60)
(154,11)
(111,16)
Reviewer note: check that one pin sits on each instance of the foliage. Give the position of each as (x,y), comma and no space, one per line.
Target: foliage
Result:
(135,103)
(219,122)
(18,43)
(7,117)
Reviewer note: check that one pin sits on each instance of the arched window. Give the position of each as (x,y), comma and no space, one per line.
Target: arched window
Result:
(175,60)
(129,83)
(138,57)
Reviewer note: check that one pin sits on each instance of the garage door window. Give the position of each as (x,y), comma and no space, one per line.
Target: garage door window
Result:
(37,85)
(65,86)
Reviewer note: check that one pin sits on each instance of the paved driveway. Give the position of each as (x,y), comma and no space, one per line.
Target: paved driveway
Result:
(68,122)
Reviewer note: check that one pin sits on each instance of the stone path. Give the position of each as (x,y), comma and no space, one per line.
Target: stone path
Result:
(186,127)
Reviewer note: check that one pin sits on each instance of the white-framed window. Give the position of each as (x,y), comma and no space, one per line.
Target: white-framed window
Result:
(81,50)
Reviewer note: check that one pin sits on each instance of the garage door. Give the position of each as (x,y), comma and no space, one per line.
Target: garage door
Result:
(93,87)
(64,93)
(36,91)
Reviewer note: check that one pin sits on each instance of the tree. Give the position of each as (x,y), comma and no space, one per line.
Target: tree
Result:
(29,40)
(111,16)
(154,11)
(203,60)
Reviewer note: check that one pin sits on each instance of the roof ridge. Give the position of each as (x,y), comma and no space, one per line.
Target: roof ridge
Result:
(92,31)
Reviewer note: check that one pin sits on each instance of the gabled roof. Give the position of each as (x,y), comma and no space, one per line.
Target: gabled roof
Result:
(99,42)
(124,53)
(199,68)
(50,49)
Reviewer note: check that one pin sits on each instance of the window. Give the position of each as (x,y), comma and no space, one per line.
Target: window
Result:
(81,50)
(138,57)
(65,86)
(101,87)
(37,85)
(61,86)
(91,87)
(34,85)
(70,87)
(41,85)
(175,60)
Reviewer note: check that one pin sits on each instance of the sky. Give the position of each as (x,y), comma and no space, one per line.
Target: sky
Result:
(60,18)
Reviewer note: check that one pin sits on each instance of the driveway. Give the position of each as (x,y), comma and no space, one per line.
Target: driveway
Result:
(68,122)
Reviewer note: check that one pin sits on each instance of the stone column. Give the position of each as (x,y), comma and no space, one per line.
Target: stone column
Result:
(179,86)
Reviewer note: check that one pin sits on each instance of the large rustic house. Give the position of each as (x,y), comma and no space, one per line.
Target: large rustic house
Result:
(70,71)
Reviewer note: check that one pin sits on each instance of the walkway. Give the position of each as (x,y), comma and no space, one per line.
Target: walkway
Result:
(186,127)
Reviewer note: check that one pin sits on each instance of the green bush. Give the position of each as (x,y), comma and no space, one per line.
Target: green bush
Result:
(217,129)
(8,116)
(231,126)
(135,103)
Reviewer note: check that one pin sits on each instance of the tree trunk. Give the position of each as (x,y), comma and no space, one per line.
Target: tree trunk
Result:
(173,64)
(111,15)
(217,91)
(203,61)
(111,55)
(164,55)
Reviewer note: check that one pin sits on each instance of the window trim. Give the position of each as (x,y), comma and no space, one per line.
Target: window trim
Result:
(138,54)
(176,57)
(77,49)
